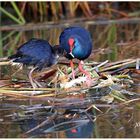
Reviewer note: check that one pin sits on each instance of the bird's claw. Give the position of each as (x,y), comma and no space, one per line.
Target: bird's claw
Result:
(89,82)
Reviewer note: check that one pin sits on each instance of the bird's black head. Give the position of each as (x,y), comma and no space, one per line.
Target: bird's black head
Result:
(57,50)
(60,52)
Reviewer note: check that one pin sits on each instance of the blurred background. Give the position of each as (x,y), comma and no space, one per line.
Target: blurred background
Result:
(114,26)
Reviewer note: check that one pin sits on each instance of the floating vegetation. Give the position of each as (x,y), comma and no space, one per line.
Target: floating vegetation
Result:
(104,74)
(69,101)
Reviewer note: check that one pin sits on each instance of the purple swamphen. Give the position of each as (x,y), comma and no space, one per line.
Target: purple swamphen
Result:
(77,43)
(37,53)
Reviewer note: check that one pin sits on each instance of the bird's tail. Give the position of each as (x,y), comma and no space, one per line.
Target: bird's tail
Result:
(17,55)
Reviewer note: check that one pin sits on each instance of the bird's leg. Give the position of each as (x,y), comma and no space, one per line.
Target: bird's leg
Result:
(37,83)
(31,78)
(72,67)
(89,81)
(81,63)
(20,67)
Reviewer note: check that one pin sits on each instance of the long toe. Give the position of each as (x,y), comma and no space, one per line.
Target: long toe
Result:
(37,84)
(89,82)
(34,85)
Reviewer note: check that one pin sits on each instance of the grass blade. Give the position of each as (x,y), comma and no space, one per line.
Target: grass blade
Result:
(13,45)
(10,15)
(8,35)
(18,12)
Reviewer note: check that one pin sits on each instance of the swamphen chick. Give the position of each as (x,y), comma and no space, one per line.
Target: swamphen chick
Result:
(77,43)
(37,53)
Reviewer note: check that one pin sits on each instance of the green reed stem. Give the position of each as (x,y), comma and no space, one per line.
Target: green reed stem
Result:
(18,12)
(8,35)
(10,16)
(14,43)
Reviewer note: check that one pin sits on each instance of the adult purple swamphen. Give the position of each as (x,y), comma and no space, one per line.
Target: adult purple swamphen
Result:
(37,53)
(77,43)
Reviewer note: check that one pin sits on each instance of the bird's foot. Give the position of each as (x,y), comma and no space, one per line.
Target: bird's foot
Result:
(89,81)
(38,85)
(33,82)
(34,85)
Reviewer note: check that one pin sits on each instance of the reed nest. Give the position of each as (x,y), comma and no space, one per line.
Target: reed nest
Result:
(71,99)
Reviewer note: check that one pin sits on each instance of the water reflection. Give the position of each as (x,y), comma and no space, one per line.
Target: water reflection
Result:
(84,131)
(21,128)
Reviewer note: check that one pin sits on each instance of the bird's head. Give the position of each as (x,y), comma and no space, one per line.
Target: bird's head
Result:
(74,47)
(58,51)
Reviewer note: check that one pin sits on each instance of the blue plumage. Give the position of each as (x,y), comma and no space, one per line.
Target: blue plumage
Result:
(82,42)
(77,43)
(35,52)
(38,53)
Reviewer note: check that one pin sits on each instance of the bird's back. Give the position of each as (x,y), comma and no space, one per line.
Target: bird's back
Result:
(36,48)
(75,30)
(34,52)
